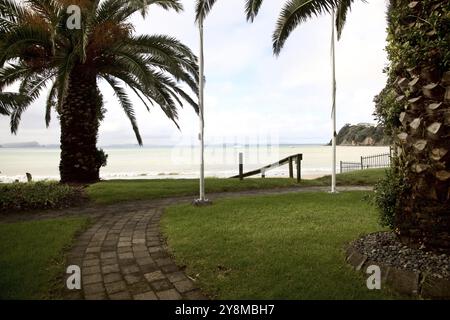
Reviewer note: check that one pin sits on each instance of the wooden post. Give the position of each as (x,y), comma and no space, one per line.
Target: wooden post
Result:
(362,165)
(263,173)
(299,166)
(291,168)
(340,166)
(241,166)
(29,177)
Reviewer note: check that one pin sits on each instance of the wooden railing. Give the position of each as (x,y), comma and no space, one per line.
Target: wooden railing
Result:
(296,158)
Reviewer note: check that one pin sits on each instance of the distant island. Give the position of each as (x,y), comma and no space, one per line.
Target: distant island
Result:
(31,144)
(362,134)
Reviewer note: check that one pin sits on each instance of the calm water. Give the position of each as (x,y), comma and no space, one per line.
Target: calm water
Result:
(179,162)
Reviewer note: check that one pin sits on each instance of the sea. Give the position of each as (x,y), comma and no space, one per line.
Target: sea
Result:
(182,162)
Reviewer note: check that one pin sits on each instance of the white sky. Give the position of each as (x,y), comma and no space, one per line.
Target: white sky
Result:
(248,90)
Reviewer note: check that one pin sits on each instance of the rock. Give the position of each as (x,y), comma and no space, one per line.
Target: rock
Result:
(435,288)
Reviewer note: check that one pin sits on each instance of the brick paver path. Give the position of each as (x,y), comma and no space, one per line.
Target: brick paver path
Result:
(123,255)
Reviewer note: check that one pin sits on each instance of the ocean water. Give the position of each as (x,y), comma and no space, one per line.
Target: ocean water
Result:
(181,162)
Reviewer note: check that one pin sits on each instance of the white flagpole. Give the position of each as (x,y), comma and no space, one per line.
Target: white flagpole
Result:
(333,112)
(202,198)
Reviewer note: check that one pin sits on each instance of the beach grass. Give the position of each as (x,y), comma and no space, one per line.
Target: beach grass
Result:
(113,191)
(287,246)
(32,256)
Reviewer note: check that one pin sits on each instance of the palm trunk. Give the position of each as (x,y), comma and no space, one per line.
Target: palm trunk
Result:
(423,138)
(80,117)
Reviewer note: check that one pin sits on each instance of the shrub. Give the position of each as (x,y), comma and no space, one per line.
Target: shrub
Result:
(386,197)
(38,195)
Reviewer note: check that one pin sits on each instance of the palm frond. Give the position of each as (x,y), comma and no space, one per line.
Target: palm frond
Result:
(296,12)
(10,101)
(51,103)
(343,8)
(202,9)
(18,103)
(252,9)
(126,104)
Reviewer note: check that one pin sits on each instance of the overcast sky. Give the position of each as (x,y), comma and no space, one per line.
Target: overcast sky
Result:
(250,92)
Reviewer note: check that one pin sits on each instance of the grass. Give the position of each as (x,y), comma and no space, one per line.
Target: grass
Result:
(113,191)
(31,256)
(274,247)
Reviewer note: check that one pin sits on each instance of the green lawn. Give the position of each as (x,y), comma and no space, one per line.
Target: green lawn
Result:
(113,191)
(273,247)
(31,256)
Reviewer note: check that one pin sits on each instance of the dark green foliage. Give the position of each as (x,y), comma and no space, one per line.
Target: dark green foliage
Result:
(38,195)
(386,197)
(421,44)
(387,110)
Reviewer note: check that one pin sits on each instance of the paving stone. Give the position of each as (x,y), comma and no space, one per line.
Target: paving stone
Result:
(403,281)
(132,278)
(163,262)
(112,277)
(154,276)
(139,287)
(435,288)
(108,255)
(91,263)
(144,261)
(93,249)
(110,268)
(161,285)
(169,268)
(123,244)
(96,296)
(130,269)
(120,296)
(109,261)
(170,294)
(149,295)
(155,249)
(142,254)
(93,288)
(91,256)
(93,278)
(148,268)
(90,270)
(184,286)
(114,287)
(176,276)
(127,255)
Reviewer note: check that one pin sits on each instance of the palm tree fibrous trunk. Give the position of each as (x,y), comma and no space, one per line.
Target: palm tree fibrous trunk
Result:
(80,117)
(419,38)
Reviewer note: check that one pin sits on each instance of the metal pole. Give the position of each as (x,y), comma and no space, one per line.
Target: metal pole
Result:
(241,166)
(333,113)
(201,114)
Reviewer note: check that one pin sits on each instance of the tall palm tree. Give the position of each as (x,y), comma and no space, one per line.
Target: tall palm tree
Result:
(39,50)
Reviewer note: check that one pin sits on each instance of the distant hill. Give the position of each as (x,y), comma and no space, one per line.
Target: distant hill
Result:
(31,144)
(362,134)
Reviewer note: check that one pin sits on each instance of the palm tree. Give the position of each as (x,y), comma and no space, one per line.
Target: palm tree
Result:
(39,50)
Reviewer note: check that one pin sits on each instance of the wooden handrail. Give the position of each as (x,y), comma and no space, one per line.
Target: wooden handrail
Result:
(277,164)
